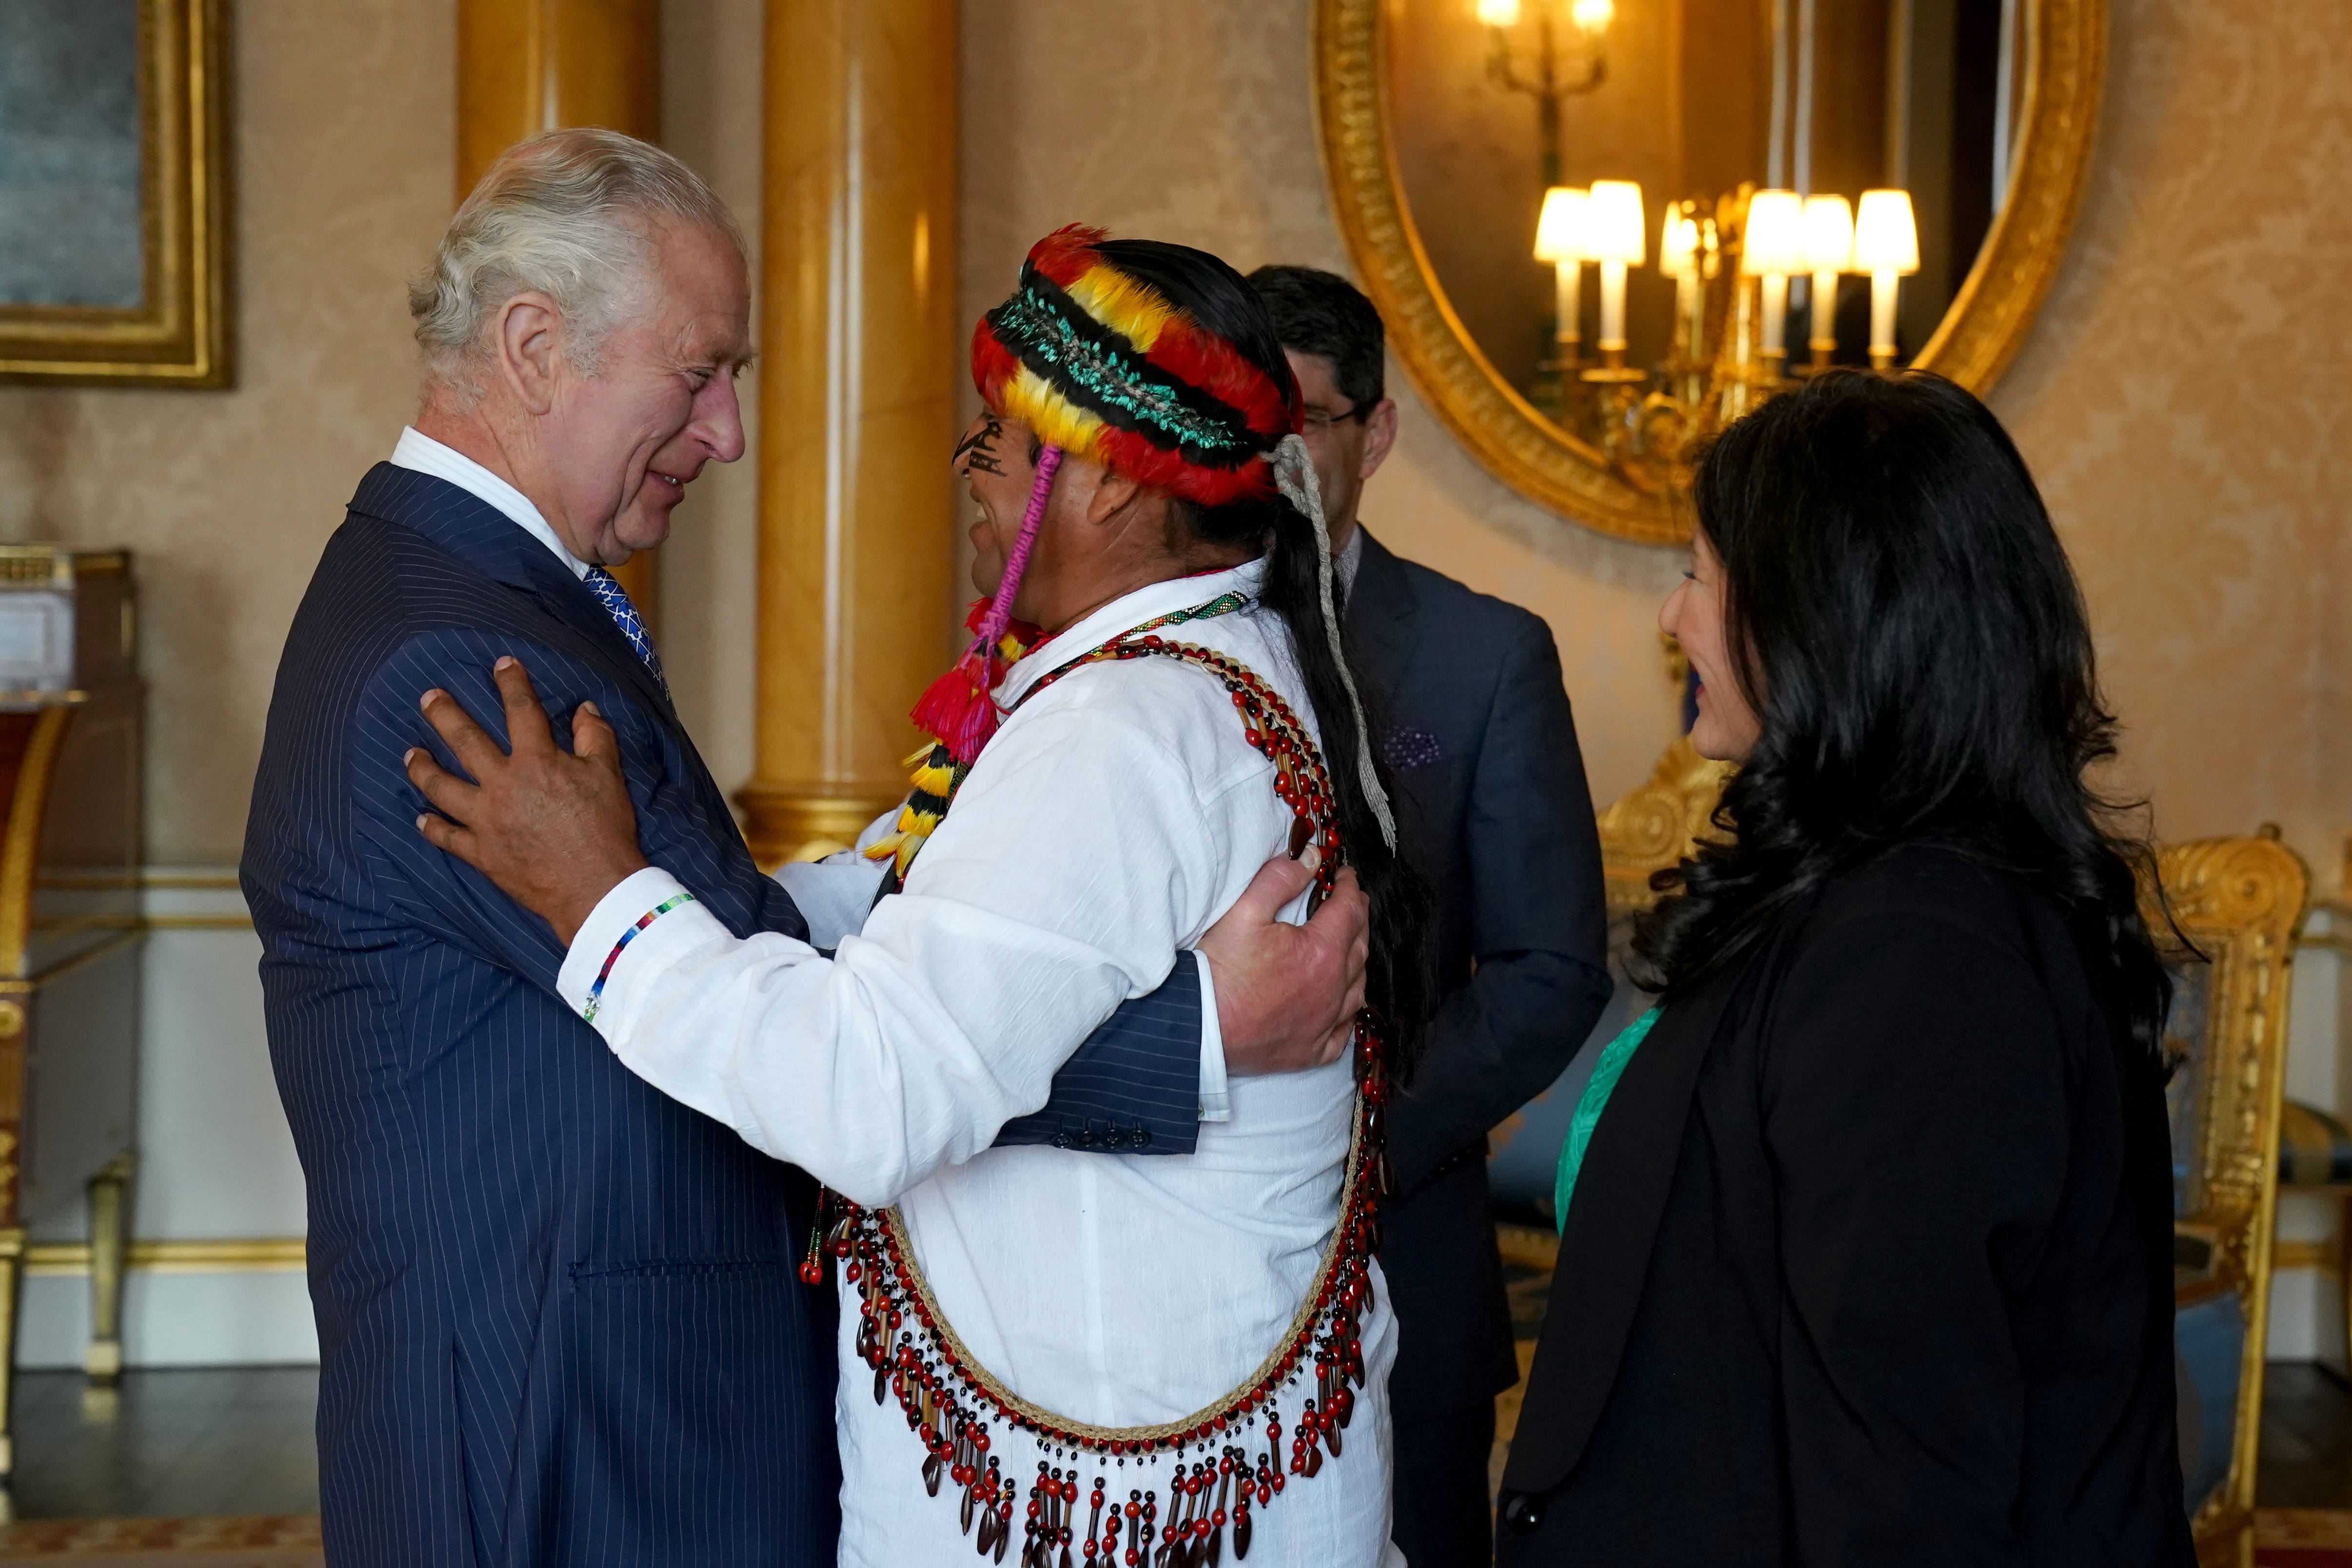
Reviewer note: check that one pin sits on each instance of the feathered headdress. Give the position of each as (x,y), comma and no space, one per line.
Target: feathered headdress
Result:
(1099,363)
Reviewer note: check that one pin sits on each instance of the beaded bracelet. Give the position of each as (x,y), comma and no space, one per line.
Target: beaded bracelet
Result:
(596,991)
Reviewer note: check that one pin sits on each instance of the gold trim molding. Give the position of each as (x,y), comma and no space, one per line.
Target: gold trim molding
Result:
(1980,334)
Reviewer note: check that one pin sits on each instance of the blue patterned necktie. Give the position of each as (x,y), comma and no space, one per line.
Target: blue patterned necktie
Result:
(615,599)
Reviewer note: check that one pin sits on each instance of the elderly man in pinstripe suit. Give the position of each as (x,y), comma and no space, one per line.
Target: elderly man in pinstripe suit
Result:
(558,1312)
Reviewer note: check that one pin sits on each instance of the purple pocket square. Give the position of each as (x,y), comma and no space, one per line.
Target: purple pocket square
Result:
(1409,747)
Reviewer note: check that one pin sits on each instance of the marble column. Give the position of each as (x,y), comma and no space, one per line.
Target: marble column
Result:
(529,65)
(857,412)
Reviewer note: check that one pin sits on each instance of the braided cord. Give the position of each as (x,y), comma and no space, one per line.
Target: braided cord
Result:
(1293,471)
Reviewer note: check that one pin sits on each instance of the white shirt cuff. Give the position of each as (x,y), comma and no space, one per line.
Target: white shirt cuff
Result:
(613,922)
(1216,1100)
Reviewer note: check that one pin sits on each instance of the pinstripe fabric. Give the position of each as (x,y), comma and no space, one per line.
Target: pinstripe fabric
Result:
(559,1320)
(1134,1102)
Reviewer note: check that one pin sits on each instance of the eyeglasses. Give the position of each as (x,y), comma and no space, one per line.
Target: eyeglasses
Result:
(1321,422)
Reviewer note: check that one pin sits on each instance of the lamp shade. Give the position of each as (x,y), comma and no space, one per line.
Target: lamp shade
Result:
(1614,228)
(1499,13)
(1678,246)
(1773,243)
(1886,235)
(1829,234)
(1559,231)
(1591,16)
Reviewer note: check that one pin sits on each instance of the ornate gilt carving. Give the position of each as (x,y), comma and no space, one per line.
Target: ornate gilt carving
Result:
(1656,825)
(1978,337)
(2238,902)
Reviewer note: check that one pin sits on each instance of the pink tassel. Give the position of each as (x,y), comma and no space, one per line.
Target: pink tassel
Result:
(957,706)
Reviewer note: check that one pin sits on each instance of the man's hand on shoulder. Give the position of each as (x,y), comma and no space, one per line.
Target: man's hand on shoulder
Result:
(555,830)
(1287,996)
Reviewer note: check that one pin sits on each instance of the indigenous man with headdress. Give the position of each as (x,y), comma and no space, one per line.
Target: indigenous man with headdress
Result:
(1098,1359)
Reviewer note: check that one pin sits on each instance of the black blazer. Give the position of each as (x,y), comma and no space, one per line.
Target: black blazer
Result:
(1492,805)
(1869,1262)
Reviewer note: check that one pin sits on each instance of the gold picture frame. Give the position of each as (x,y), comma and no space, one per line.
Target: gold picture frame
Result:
(178,333)
(1979,335)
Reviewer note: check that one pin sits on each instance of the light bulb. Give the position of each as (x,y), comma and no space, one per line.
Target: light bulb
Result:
(1679,244)
(1773,244)
(1591,16)
(1829,234)
(1885,234)
(1499,13)
(1614,228)
(1559,231)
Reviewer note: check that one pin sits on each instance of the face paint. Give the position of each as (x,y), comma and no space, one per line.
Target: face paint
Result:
(978,450)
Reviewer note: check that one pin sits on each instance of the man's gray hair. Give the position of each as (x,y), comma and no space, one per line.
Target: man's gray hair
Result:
(567,213)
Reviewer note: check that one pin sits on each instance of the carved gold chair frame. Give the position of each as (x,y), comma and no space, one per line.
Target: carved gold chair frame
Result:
(2240,901)
(1979,335)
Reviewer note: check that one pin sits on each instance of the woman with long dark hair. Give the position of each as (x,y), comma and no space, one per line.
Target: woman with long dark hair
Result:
(1086,1353)
(1866,1228)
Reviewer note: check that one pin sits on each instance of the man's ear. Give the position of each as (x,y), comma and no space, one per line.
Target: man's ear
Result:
(530,343)
(1114,492)
(1380,434)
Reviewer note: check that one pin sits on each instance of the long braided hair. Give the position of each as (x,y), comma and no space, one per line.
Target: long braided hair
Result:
(1397,975)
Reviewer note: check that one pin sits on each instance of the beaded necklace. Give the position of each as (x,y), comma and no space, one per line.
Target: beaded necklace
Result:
(955,1404)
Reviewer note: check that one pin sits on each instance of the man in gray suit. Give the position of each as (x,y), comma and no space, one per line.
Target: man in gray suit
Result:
(1473,721)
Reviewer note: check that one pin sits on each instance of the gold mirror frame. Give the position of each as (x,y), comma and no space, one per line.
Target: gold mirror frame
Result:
(1978,337)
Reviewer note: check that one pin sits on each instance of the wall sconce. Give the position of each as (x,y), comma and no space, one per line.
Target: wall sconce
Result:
(1773,247)
(1559,240)
(1550,84)
(1829,251)
(1886,247)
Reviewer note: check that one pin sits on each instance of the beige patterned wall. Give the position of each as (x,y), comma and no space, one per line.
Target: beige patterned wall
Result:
(345,136)
(2184,401)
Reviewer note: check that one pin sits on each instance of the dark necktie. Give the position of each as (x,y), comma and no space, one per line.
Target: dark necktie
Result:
(615,599)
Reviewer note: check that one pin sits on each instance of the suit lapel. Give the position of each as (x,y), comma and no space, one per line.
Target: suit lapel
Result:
(1382,618)
(1604,1251)
(477,534)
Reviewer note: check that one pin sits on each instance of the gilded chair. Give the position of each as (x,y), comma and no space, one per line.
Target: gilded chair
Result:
(2235,906)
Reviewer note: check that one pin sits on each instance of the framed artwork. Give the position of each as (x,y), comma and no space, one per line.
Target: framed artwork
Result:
(114,192)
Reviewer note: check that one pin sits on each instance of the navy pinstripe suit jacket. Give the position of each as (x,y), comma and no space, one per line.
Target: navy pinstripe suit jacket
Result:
(559,1316)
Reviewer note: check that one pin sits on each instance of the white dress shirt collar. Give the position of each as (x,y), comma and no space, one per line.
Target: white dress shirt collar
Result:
(423,455)
(1350,557)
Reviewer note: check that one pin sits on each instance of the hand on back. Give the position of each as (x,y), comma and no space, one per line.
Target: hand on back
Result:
(555,830)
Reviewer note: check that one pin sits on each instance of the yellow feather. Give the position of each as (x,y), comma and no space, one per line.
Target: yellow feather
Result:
(1033,401)
(1134,311)
(934,780)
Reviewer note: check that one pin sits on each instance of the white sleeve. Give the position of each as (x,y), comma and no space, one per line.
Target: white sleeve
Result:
(1077,861)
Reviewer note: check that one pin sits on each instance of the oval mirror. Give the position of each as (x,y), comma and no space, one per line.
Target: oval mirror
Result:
(1599,229)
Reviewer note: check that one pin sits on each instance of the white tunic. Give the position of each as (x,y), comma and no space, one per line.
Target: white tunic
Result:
(1104,828)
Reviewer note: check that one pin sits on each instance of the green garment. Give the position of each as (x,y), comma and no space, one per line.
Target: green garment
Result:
(1589,1106)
